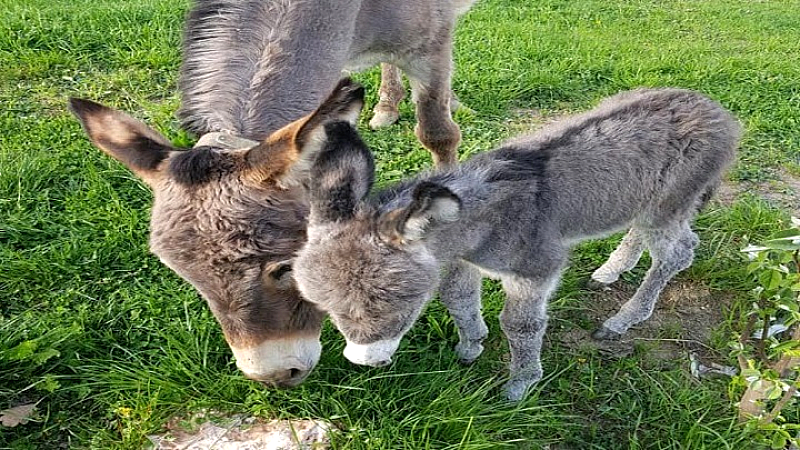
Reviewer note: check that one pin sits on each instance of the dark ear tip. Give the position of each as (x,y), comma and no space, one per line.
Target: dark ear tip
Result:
(429,189)
(350,88)
(80,106)
(341,130)
(74,105)
(359,92)
(345,83)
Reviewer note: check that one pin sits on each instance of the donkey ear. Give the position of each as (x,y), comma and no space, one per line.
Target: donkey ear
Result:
(431,204)
(343,104)
(286,156)
(131,142)
(342,174)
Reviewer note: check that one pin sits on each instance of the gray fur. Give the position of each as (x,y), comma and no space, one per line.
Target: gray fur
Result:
(251,67)
(642,160)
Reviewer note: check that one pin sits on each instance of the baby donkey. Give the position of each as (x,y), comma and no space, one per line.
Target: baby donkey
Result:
(644,160)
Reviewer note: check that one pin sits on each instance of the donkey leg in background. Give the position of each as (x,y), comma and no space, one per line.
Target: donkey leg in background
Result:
(672,250)
(623,259)
(524,321)
(391,94)
(460,291)
(430,90)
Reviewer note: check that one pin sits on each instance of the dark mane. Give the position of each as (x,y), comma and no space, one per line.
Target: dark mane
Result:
(198,166)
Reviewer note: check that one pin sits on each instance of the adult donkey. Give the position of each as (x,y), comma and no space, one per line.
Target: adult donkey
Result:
(225,218)
(251,67)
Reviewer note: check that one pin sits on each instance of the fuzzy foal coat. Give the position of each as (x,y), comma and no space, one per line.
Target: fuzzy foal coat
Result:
(643,160)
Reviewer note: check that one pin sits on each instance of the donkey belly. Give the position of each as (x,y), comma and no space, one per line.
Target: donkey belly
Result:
(365,60)
(597,221)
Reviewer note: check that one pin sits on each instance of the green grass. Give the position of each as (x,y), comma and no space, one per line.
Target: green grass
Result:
(111,343)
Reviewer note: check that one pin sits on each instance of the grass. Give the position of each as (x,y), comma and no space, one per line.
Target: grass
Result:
(111,343)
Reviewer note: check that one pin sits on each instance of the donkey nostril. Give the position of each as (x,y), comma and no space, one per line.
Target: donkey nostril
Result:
(294,373)
(383,363)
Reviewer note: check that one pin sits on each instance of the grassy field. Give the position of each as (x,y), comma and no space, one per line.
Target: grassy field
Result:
(111,344)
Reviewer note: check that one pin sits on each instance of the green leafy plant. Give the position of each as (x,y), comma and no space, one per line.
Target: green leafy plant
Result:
(768,348)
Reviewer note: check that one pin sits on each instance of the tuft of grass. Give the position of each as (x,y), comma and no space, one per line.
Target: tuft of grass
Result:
(111,343)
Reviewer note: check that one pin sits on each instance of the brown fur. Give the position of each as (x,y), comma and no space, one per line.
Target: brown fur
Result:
(227,220)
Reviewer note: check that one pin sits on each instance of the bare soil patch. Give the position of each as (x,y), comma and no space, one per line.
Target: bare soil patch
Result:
(782,192)
(686,314)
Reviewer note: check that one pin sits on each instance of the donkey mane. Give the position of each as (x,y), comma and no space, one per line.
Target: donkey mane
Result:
(199,165)
(234,71)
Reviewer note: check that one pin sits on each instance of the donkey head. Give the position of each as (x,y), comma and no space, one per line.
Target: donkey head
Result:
(229,221)
(366,265)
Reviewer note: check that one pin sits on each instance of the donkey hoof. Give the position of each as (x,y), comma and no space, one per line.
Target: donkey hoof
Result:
(468,354)
(605,334)
(517,390)
(594,285)
(383,118)
(461,108)
(467,359)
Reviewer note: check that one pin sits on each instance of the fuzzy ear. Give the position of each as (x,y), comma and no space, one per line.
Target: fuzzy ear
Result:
(431,204)
(342,174)
(286,156)
(280,273)
(131,142)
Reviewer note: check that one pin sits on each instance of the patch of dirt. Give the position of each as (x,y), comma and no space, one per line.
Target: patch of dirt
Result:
(782,192)
(238,432)
(685,314)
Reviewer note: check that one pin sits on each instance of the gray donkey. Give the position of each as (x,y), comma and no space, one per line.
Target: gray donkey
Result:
(251,67)
(643,160)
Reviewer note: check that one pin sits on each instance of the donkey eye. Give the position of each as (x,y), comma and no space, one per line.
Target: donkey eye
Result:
(280,271)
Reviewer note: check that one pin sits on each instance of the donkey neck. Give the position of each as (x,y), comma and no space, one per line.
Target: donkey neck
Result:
(252,67)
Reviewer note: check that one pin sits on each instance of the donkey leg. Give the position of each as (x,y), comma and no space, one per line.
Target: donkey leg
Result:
(524,320)
(460,292)
(391,94)
(622,259)
(435,128)
(672,251)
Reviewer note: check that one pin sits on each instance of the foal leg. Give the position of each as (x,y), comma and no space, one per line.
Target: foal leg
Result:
(524,320)
(391,94)
(623,259)
(430,90)
(672,250)
(460,291)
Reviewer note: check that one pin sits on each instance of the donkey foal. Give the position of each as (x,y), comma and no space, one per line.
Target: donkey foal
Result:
(644,160)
